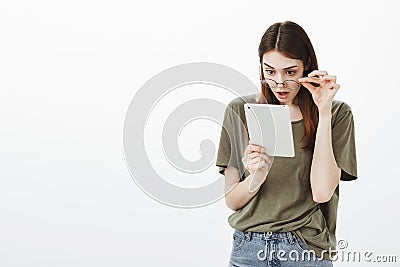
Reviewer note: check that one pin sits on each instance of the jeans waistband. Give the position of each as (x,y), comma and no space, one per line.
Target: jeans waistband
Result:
(266,235)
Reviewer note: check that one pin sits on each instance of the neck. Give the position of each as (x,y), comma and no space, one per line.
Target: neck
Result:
(290,104)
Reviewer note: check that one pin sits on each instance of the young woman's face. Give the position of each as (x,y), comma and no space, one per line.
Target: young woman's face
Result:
(280,68)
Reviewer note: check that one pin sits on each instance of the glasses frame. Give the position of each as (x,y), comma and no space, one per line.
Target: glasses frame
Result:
(283,83)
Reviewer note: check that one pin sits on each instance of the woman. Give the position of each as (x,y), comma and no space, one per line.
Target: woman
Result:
(285,208)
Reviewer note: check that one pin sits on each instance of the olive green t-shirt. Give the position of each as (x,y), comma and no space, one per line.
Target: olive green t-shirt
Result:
(284,201)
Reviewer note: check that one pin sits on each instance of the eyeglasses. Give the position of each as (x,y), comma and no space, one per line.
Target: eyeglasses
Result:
(288,84)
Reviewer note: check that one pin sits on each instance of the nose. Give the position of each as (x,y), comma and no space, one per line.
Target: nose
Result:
(280,85)
(279,80)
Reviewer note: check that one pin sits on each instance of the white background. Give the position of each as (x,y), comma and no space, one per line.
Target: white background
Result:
(68,71)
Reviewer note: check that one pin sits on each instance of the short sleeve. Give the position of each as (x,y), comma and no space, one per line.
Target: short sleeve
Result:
(233,140)
(343,141)
(224,149)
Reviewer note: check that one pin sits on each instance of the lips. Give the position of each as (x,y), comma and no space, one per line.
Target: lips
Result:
(282,94)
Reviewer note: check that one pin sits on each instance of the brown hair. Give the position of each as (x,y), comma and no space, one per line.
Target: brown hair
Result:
(291,40)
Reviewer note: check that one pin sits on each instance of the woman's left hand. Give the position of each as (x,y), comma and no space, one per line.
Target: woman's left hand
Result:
(324,93)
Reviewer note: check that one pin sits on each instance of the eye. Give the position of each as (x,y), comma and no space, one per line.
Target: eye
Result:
(269,72)
(290,72)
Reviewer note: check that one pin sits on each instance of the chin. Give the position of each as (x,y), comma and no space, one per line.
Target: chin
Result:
(284,101)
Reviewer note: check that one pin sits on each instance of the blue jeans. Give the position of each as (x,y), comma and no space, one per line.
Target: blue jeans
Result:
(282,249)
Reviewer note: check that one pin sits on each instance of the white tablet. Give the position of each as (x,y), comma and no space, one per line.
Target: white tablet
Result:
(270,126)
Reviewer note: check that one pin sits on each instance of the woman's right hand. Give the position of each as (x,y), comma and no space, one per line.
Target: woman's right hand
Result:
(257,162)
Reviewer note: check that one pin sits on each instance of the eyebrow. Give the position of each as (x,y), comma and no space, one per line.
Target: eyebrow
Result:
(294,66)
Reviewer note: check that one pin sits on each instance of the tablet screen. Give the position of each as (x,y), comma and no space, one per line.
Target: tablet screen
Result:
(270,126)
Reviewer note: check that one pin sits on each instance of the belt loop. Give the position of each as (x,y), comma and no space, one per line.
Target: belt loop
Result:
(247,236)
(291,237)
(267,235)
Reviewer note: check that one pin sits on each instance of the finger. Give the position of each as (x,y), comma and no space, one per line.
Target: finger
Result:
(310,87)
(259,158)
(317,73)
(309,80)
(334,86)
(329,78)
(253,155)
(246,154)
(266,158)
(256,148)
(254,160)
